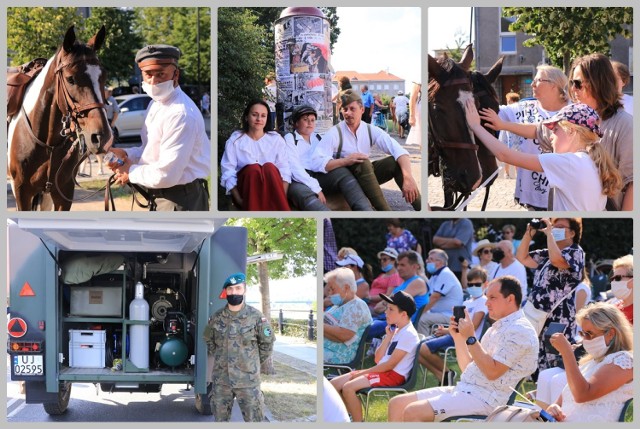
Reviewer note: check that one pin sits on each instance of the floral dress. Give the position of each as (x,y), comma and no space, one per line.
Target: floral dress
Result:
(606,408)
(405,241)
(550,285)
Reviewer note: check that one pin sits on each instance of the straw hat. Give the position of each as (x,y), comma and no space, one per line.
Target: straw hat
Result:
(482,244)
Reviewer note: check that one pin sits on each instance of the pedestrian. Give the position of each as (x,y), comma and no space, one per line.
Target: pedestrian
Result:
(580,170)
(239,339)
(174,159)
(270,95)
(255,163)
(415,111)
(349,143)
(623,77)
(367,103)
(402,112)
(205,103)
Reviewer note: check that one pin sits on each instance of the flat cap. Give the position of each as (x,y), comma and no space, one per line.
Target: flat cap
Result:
(158,54)
(349,96)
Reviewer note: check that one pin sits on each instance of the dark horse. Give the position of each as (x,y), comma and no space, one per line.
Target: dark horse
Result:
(453,151)
(62,113)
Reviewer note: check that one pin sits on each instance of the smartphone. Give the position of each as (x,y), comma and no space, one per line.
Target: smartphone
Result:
(393,327)
(458,312)
(554,327)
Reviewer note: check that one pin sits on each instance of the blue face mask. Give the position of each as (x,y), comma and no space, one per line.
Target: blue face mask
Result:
(387,268)
(475,291)
(336,299)
(431,267)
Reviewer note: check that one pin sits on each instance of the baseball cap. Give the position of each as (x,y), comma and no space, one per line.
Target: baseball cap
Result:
(403,300)
(578,114)
(389,251)
(400,93)
(351,260)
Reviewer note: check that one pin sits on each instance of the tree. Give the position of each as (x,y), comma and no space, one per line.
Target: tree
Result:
(34,32)
(295,238)
(571,32)
(179,26)
(122,42)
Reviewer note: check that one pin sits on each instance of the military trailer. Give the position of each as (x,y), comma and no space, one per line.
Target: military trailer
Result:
(121,303)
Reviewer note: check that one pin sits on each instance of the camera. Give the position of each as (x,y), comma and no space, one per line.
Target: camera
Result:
(537,224)
(461,258)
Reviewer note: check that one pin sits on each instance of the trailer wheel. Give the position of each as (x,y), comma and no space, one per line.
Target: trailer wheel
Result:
(60,406)
(203,405)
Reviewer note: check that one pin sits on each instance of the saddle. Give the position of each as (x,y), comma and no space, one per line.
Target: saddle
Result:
(17,80)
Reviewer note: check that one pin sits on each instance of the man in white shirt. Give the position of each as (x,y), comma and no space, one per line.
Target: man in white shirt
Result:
(348,144)
(491,367)
(508,265)
(174,159)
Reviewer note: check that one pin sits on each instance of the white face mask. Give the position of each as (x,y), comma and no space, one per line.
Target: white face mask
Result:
(620,289)
(160,91)
(596,347)
(558,234)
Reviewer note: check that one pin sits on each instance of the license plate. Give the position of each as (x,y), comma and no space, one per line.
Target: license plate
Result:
(28,365)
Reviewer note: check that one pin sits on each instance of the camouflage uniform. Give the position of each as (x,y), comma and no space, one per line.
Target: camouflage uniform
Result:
(239,343)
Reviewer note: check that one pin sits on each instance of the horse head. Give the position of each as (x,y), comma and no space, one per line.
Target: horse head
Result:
(449,85)
(79,91)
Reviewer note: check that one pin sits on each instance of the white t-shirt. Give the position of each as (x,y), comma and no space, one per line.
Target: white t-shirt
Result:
(515,269)
(576,181)
(300,157)
(405,339)
(627,103)
(474,306)
(402,104)
(333,408)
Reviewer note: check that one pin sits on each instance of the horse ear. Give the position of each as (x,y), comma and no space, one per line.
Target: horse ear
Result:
(98,39)
(495,71)
(467,57)
(434,68)
(69,39)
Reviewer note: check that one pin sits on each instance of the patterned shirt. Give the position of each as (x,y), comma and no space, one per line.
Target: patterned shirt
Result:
(511,341)
(354,316)
(405,241)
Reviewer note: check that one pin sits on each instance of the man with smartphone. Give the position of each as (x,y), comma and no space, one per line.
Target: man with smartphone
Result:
(490,368)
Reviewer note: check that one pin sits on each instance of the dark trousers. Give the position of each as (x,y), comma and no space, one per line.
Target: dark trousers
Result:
(366,116)
(302,197)
(192,196)
(371,175)
(341,180)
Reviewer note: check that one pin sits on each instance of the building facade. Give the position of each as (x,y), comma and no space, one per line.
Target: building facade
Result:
(382,83)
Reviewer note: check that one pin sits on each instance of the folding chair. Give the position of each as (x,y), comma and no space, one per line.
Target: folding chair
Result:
(623,413)
(408,385)
(349,366)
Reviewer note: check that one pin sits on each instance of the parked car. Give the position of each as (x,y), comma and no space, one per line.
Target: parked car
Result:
(133,109)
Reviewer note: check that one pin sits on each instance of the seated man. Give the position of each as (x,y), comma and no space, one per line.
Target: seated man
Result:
(348,144)
(507,353)
(345,322)
(477,307)
(394,357)
(446,292)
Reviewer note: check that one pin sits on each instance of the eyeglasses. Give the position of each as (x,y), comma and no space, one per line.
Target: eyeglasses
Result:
(576,83)
(619,277)
(590,335)
(474,284)
(539,80)
(383,259)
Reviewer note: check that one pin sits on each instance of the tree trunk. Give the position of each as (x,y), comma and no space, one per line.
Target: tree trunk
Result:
(263,276)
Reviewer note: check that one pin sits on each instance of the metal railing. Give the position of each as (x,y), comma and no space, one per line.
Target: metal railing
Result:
(309,323)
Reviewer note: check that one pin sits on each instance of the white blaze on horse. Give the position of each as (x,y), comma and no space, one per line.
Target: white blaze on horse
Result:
(61,117)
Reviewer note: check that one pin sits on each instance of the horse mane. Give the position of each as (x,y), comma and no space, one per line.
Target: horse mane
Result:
(481,83)
(447,65)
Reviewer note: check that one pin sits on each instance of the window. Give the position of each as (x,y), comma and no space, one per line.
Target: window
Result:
(396,86)
(507,38)
(386,86)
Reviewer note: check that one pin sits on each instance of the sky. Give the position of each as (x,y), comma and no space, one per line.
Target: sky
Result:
(443,23)
(385,47)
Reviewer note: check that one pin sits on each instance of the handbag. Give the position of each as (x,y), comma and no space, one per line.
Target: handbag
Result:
(510,413)
(537,317)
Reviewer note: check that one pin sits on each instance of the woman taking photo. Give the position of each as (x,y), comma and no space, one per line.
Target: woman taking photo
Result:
(599,385)
(255,164)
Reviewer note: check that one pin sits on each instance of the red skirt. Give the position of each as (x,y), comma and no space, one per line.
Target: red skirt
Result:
(261,188)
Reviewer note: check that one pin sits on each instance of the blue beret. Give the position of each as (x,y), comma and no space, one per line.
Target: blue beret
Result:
(234,279)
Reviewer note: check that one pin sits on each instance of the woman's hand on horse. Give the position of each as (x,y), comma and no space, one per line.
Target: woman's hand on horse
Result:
(492,119)
(471,112)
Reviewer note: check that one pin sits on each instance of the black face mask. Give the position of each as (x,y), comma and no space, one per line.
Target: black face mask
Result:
(235,299)
(498,255)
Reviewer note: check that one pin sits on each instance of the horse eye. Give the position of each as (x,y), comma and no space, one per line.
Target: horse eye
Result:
(71,80)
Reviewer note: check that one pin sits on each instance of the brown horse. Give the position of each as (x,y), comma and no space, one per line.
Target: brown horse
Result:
(453,151)
(62,114)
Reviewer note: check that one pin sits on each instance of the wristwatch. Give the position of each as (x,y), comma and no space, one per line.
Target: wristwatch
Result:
(471,341)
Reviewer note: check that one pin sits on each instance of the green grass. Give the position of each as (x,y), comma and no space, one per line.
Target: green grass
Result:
(117,190)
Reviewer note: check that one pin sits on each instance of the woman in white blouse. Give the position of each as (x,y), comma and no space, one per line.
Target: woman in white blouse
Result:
(255,164)
(599,386)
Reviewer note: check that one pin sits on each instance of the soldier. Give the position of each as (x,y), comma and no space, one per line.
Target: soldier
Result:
(240,340)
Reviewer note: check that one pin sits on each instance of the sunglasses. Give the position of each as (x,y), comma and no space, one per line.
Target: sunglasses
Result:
(619,277)
(485,251)
(590,335)
(538,80)
(576,83)
(474,284)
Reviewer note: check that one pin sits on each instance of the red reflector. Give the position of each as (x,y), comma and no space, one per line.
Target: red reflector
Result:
(35,347)
(27,290)
(16,327)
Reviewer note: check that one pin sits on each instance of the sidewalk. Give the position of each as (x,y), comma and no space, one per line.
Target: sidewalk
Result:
(297,353)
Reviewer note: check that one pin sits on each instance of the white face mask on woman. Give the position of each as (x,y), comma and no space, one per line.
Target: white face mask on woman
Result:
(620,289)
(596,347)
(158,92)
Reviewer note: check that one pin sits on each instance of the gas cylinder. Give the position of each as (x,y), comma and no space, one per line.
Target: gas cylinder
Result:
(139,334)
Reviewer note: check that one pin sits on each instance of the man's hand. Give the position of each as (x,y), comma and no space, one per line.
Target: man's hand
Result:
(121,154)
(322,198)
(122,172)
(465,326)
(410,190)
(355,158)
